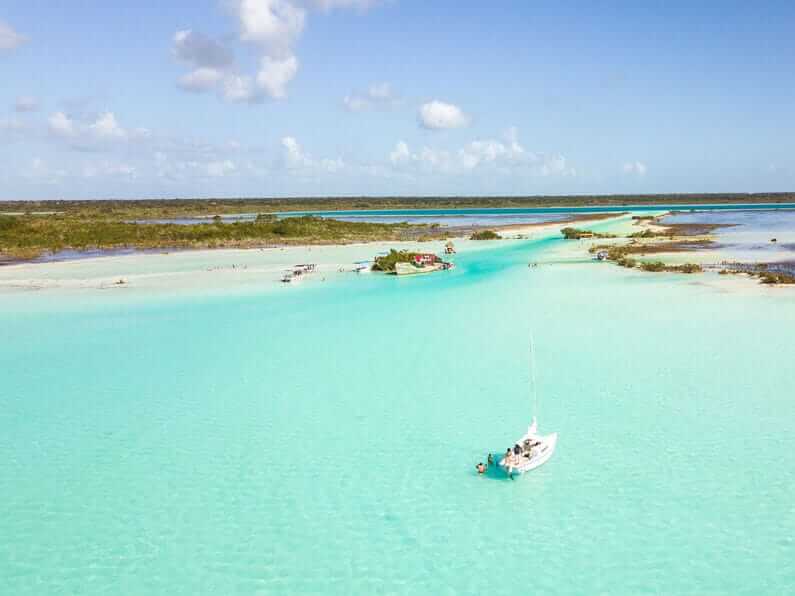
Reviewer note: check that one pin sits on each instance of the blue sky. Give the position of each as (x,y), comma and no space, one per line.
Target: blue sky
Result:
(349,97)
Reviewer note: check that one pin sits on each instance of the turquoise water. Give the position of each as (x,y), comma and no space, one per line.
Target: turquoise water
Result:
(368,214)
(323,440)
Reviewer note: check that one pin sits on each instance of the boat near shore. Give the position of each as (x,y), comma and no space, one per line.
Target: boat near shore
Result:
(422,263)
(411,269)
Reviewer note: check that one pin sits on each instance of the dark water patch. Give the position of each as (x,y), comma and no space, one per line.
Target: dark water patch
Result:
(666,247)
(694,229)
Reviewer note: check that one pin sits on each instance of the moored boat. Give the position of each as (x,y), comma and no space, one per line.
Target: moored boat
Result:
(530,452)
(532,449)
(411,269)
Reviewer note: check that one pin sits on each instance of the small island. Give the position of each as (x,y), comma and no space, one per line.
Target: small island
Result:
(403,262)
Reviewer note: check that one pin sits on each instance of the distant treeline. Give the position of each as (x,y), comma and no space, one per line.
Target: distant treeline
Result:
(26,237)
(184,207)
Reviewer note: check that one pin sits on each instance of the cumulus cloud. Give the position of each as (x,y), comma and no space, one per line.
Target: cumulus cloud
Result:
(201,79)
(61,125)
(273,24)
(205,166)
(218,169)
(503,155)
(438,115)
(200,51)
(378,95)
(275,73)
(295,159)
(210,62)
(25,103)
(101,133)
(271,28)
(10,39)
(636,168)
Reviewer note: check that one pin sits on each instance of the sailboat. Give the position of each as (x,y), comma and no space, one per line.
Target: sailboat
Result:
(532,449)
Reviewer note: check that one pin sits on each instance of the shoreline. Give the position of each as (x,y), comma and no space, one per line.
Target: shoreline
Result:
(456,233)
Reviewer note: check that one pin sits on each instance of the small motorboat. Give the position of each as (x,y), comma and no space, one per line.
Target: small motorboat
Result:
(363,266)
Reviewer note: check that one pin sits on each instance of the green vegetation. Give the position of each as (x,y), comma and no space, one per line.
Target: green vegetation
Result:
(30,236)
(687,268)
(767,273)
(576,234)
(388,262)
(654,266)
(628,262)
(647,233)
(485,235)
(137,209)
(658,266)
(771,278)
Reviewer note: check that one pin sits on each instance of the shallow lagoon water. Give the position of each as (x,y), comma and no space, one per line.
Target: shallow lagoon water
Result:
(323,439)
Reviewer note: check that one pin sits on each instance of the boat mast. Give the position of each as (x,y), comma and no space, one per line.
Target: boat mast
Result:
(533,390)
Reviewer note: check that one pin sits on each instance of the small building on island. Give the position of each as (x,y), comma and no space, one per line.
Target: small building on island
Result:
(423,259)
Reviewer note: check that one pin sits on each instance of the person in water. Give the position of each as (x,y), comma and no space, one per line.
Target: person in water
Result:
(481,468)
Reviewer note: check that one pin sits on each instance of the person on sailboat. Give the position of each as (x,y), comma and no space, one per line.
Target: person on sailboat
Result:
(490,460)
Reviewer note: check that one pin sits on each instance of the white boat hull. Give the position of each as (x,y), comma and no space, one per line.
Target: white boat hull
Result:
(540,454)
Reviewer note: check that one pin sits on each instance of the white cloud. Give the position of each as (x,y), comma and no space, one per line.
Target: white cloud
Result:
(294,158)
(275,73)
(239,89)
(437,115)
(637,168)
(106,127)
(502,155)
(10,39)
(200,51)
(101,133)
(272,27)
(378,95)
(355,103)
(25,103)
(401,153)
(273,24)
(201,79)
(217,169)
(61,125)
(331,165)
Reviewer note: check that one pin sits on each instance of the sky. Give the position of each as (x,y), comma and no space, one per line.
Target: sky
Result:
(257,98)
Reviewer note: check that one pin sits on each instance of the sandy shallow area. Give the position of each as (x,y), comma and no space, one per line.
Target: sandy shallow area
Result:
(215,269)
(261,269)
